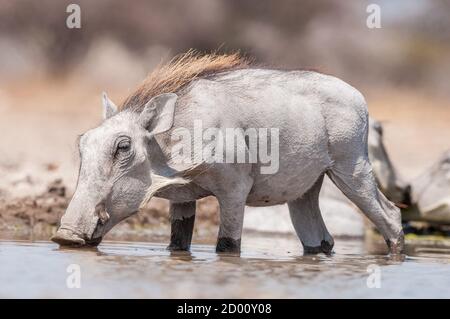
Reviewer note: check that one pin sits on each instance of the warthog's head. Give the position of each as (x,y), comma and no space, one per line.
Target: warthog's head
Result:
(114,173)
(431,192)
(387,178)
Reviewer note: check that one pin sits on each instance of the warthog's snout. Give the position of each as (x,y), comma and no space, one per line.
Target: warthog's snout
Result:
(67,237)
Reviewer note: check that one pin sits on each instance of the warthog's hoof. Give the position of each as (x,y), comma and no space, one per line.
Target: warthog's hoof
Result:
(325,247)
(228,245)
(174,247)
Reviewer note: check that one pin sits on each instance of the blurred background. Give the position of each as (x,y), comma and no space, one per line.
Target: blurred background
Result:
(51,77)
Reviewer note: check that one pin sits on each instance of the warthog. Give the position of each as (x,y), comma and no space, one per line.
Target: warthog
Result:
(322,124)
(338,212)
(387,177)
(431,194)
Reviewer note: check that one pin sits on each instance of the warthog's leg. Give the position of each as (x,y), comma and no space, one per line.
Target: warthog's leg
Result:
(231,222)
(308,222)
(230,184)
(355,179)
(182,217)
(232,206)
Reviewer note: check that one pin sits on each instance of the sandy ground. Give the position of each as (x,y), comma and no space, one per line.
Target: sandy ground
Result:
(39,159)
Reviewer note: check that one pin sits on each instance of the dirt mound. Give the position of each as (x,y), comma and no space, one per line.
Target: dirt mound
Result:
(41,211)
(40,215)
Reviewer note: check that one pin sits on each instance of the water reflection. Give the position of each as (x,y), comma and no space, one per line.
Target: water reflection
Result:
(272,267)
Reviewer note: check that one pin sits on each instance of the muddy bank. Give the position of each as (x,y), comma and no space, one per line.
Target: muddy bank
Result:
(38,216)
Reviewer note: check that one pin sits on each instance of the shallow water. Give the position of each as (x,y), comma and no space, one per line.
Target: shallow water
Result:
(271,267)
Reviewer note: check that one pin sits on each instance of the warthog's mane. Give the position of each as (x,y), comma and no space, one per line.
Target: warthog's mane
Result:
(179,72)
(172,77)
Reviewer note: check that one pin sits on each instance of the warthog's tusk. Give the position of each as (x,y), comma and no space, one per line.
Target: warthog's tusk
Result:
(102,213)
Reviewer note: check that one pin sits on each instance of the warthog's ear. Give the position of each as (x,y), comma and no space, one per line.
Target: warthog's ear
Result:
(157,116)
(109,108)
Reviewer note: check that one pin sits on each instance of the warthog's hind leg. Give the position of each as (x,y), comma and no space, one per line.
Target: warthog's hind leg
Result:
(358,184)
(182,217)
(308,222)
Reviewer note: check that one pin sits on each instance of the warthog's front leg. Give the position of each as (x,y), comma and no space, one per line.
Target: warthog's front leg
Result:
(182,217)
(231,184)
(232,208)
(231,223)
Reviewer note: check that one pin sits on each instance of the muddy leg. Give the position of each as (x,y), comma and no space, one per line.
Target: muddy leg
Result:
(358,184)
(182,217)
(230,229)
(308,222)
(230,184)
(232,206)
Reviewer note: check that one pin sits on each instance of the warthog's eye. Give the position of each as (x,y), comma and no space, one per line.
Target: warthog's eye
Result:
(123,146)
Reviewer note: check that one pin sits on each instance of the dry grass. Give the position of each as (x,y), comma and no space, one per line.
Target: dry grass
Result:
(180,71)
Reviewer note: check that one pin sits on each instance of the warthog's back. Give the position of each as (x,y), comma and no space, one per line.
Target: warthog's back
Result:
(309,110)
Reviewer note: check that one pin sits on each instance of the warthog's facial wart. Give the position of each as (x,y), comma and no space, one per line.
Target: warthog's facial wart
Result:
(114,171)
